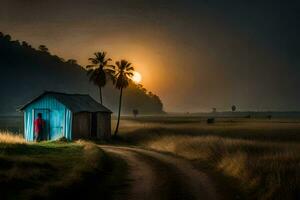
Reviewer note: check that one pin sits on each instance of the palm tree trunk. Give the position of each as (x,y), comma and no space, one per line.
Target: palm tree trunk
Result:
(100,92)
(120,104)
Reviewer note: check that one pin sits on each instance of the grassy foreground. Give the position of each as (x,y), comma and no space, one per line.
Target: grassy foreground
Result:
(50,170)
(261,157)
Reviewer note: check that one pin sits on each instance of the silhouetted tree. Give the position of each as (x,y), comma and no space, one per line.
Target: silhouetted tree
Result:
(61,59)
(16,42)
(43,48)
(135,112)
(26,45)
(7,37)
(121,72)
(233,108)
(97,70)
(141,100)
(72,62)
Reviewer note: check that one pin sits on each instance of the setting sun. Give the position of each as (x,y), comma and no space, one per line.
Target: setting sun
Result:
(137,77)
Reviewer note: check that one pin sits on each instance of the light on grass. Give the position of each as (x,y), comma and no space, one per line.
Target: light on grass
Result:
(8,137)
(137,77)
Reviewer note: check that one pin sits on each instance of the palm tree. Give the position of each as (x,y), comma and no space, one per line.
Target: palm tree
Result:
(121,73)
(97,70)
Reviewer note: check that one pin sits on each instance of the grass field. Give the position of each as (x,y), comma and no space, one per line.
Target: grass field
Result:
(262,156)
(259,158)
(50,170)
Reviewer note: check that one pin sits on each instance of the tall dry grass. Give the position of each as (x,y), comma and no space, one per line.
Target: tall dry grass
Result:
(264,158)
(269,170)
(8,137)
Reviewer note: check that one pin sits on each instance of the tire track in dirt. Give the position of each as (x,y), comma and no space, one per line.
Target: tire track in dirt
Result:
(159,176)
(141,175)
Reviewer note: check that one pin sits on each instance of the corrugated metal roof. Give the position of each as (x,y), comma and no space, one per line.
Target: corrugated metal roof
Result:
(74,102)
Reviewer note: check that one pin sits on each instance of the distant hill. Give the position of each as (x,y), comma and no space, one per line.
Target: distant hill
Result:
(27,72)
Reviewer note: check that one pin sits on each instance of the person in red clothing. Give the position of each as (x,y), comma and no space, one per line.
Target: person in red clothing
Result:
(39,125)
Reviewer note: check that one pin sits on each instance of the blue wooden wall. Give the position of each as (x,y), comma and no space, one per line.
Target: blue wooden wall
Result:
(57,116)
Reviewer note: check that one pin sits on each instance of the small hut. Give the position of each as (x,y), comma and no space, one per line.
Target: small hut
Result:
(72,116)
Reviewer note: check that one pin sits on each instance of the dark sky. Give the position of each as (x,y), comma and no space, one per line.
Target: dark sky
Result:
(194,54)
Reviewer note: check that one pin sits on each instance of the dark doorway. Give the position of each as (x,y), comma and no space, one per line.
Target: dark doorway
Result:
(94,125)
(46,117)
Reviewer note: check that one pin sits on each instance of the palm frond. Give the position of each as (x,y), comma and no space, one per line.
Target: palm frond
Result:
(94,61)
(123,71)
(130,74)
(118,64)
(130,69)
(128,64)
(89,66)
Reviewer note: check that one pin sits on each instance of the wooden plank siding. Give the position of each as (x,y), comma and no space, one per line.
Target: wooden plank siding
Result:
(103,125)
(81,125)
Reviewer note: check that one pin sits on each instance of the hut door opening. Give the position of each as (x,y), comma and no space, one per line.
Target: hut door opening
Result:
(45,117)
(94,125)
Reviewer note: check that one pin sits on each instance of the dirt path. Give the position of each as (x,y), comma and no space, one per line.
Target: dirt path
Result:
(158,176)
